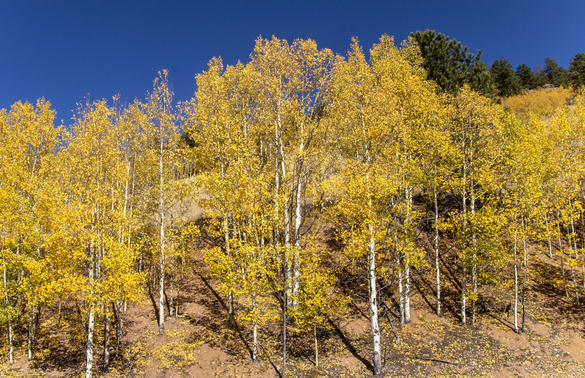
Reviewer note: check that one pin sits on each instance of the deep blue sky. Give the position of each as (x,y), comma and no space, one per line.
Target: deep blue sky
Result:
(64,50)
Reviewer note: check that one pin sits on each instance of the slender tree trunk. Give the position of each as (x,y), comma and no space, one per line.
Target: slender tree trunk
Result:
(407,260)
(254,332)
(298,222)
(286,217)
(107,322)
(91,317)
(161,209)
(131,206)
(6,303)
(286,266)
(228,251)
(226,237)
(284,309)
(171,304)
(117,309)
(316,346)
(31,331)
(575,248)
(436,243)
(524,272)
(474,257)
(463,296)
(516,329)
(373,301)
(548,236)
(89,347)
(400,290)
(407,292)
(562,255)
(583,247)
(275,233)
(464,262)
(33,318)
(571,246)
(374,304)
(583,227)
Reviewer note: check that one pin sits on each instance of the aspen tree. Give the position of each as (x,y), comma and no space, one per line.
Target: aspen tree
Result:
(438,156)
(28,140)
(317,299)
(400,76)
(99,267)
(480,126)
(366,113)
(162,130)
(293,81)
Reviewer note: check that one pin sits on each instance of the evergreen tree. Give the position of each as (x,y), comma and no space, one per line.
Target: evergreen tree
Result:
(577,71)
(480,78)
(540,78)
(556,75)
(505,79)
(526,76)
(450,64)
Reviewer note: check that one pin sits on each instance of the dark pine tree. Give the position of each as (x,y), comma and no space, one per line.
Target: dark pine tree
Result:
(577,71)
(505,79)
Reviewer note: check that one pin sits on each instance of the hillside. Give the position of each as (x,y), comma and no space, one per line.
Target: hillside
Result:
(303,214)
(201,342)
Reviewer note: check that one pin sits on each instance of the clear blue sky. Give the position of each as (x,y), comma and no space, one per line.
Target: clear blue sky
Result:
(64,50)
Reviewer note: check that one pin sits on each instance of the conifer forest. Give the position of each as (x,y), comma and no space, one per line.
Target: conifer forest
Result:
(304,213)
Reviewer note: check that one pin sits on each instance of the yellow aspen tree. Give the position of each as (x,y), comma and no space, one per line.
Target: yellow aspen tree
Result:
(88,225)
(437,157)
(290,82)
(162,131)
(28,139)
(210,112)
(479,127)
(364,115)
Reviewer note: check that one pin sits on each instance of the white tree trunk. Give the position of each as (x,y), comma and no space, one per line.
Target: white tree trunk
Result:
(10,348)
(524,272)
(436,242)
(474,256)
(298,221)
(516,329)
(254,332)
(91,317)
(316,346)
(161,210)
(572,246)
(400,279)
(171,303)
(407,293)
(463,296)
(407,261)
(548,236)
(226,238)
(31,331)
(107,322)
(374,305)
(464,262)
(89,346)
(562,254)
(373,300)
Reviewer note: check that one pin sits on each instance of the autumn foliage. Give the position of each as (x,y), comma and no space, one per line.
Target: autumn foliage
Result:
(275,150)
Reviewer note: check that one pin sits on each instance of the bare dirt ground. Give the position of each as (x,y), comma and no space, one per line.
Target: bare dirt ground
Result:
(202,342)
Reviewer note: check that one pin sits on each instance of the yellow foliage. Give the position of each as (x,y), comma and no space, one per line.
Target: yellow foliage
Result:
(542,101)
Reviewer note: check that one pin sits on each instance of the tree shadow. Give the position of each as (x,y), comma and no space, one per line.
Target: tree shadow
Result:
(349,345)
(233,322)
